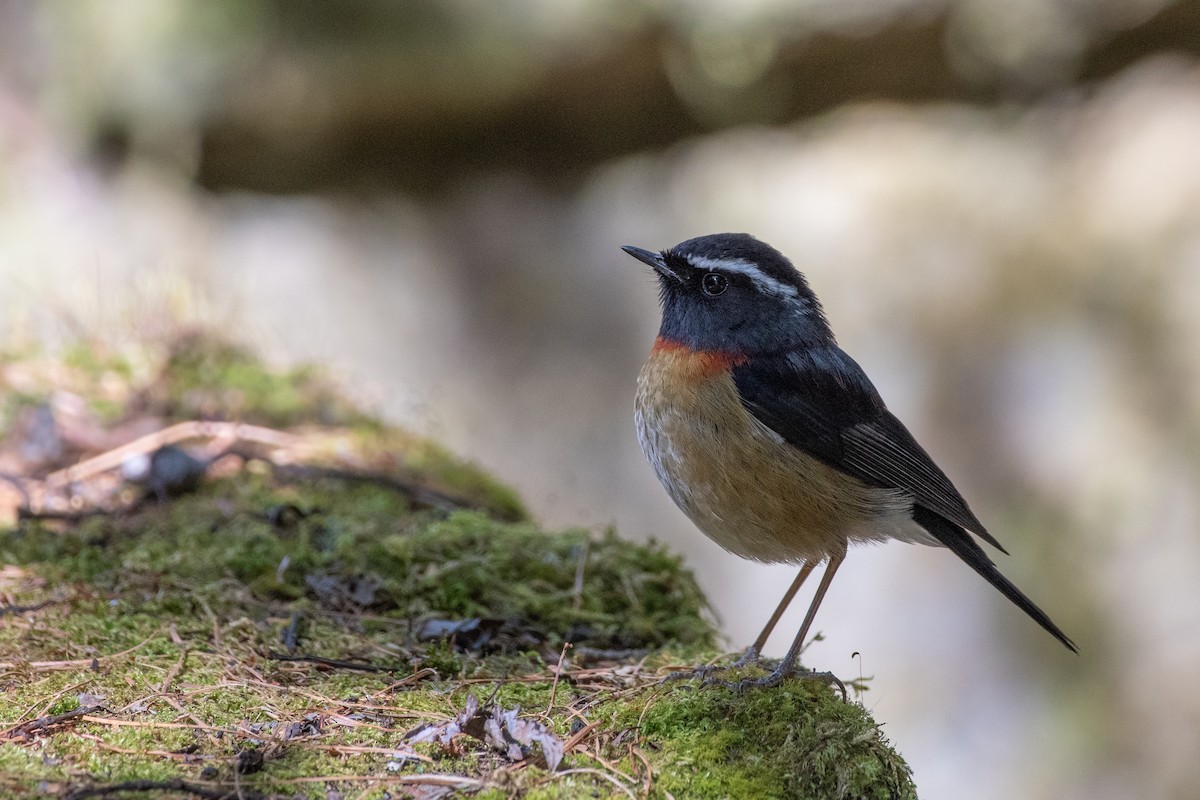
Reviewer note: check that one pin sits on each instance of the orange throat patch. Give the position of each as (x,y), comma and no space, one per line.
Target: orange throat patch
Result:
(696,363)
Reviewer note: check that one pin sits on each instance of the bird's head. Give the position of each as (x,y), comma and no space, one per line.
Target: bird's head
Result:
(732,293)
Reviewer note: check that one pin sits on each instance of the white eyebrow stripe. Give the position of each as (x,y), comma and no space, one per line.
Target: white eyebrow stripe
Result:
(764,281)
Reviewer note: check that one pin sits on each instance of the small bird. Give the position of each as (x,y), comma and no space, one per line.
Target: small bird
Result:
(773,440)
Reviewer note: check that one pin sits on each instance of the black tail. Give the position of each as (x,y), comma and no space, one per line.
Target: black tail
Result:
(961,543)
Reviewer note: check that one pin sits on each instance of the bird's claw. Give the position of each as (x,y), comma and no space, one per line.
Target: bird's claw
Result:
(705,672)
(747,658)
(708,674)
(776,677)
(702,673)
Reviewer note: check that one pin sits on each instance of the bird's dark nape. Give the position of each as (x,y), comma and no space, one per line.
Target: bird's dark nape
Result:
(962,545)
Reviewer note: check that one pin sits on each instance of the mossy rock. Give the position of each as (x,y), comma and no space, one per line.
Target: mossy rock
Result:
(273,634)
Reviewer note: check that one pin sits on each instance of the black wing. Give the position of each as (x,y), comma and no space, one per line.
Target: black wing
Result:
(822,402)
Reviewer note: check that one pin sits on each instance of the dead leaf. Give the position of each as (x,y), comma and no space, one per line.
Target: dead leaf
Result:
(444,732)
(504,730)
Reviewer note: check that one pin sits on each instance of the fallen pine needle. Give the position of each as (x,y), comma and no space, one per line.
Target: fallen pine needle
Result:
(597,772)
(51,666)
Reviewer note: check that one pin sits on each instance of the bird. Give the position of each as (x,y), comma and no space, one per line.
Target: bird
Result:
(774,441)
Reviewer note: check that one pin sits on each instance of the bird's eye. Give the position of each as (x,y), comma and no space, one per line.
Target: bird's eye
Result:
(714,283)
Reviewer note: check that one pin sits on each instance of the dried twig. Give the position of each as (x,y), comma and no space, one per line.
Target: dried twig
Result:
(235,793)
(557,673)
(26,729)
(174,671)
(597,772)
(359,666)
(112,459)
(4,610)
(579,736)
(461,782)
(78,663)
(421,495)
(173,755)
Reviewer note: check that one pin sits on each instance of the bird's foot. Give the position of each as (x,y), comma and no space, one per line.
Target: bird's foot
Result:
(705,673)
(702,673)
(776,677)
(747,658)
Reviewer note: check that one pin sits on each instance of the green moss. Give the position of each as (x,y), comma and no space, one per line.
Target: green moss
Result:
(797,740)
(359,548)
(204,376)
(172,617)
(12,404)
(427,463)
(63,705)
(96,361)
(199,375)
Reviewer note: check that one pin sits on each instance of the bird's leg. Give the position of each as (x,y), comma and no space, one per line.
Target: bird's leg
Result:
(754,651)
(788,664)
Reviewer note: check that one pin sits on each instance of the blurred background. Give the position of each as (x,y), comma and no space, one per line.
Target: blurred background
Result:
(999,204)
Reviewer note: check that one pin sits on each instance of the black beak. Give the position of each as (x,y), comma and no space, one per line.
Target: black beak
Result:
(655,260)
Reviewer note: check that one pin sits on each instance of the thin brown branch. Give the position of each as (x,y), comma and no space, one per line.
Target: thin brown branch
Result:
(195,789)
(112,459)
(358,666)
(579,736)
(427,779)
(597,772)
(27,729)
(78,663)
(175,756)
(558,669)
(5,610)
(174,671)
